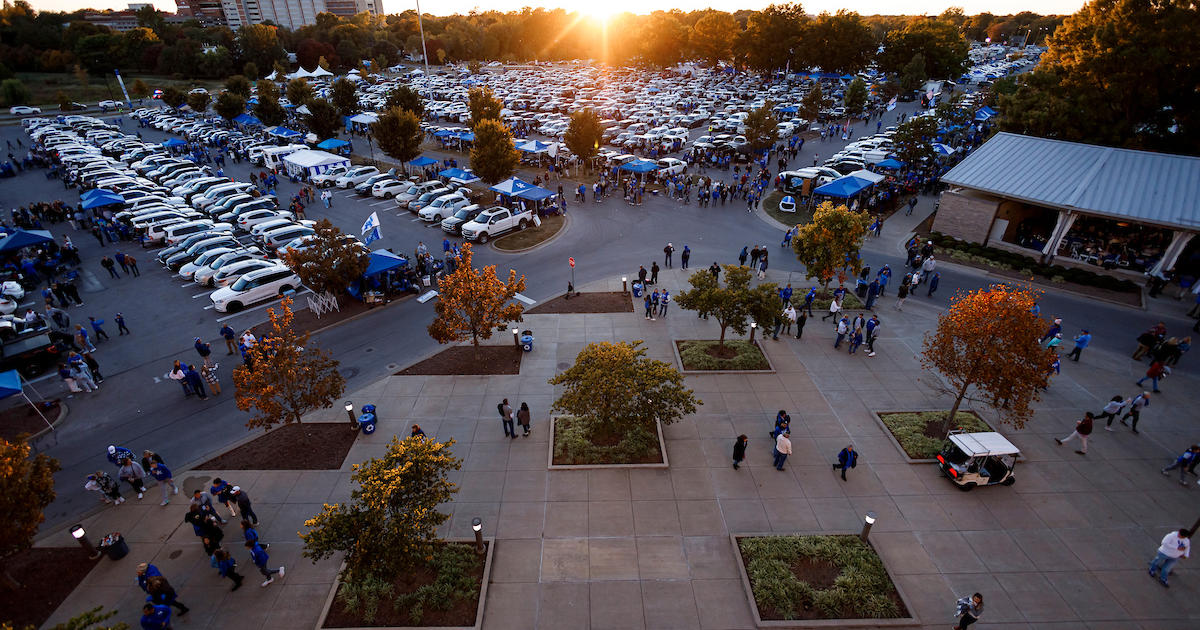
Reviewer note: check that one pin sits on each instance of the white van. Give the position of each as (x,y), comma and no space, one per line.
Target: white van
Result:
(273,157)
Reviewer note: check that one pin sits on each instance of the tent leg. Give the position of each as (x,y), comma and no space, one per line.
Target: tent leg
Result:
(39,411)
(26,383)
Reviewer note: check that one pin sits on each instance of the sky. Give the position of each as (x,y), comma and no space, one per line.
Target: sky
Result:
(864,7)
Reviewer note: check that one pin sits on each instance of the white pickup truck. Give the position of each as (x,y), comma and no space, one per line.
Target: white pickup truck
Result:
(494,222)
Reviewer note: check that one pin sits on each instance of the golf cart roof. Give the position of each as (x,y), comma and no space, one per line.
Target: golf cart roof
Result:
(980,444)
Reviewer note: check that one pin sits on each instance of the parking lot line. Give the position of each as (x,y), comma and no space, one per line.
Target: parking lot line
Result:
(380,203)
(187,284)
(202,294)
(267,304)
(415,219)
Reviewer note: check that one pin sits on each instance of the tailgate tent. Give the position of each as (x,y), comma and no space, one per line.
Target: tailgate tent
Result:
(24,238)
(332,143)
(639,166)
(511,187)
(382,260)
(10,385)
(874,178)
(307,163)
(246,119)
(422,161)
(844,187)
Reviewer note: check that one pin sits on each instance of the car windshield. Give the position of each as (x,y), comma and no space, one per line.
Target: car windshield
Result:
(462,214)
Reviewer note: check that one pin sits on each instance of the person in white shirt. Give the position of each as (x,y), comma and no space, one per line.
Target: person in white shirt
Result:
(783,448)
(1175,545)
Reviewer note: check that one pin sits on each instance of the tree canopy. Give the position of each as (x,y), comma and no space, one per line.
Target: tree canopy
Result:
(332,262)
(943,47)
(323,118)
(473,302)
(493,156)
(398,133)
(484,105)
(229,105)
(761,129)
(583,134)
(829,243)
(26,489)
(724,303)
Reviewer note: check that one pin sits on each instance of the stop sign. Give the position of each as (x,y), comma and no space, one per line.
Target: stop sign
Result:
(571,261)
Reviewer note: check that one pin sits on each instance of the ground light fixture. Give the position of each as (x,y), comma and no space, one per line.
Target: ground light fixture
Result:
(753,326)
(516,337)
(624,284)
(477,527)
(350,412)
(80,536)
(868,521)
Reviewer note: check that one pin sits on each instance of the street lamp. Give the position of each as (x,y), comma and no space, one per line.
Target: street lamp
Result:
(753,326)
(350,412)
(81,537)
(624,284)
(868,521)
(516,338)
(477,527)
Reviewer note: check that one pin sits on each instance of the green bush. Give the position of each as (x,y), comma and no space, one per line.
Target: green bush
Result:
(1002,259)
(863,589)
(14,92)
(695,356)
(573,446)
(455,582)
(821,302)
(909,430)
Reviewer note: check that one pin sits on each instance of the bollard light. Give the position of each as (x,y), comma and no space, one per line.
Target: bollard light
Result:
(624,284)
(350,412)
(868,521)
(80,536)
(753,326)
(477,526)
(516,337)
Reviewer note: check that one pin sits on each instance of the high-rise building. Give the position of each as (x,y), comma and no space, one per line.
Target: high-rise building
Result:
(291,14)
(207,11)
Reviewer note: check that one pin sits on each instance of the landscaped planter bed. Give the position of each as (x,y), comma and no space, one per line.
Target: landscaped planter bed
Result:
(297,446)
(918,434)
(570,449)
(464,360)
(47,576)
(597,302)
(702,356)
(820,580)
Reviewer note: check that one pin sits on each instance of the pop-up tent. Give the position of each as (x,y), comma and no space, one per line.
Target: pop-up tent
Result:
(534,193)
(246,119)
(103,199)
(365,118)
(174,142)
(891,163)
(462,176)
(422,161)
(10,385)
(382,260)
(874,178)
(284,132)
(844,187)
(511,187)
(20,239)
(332,144)
(639,166)
(306,163)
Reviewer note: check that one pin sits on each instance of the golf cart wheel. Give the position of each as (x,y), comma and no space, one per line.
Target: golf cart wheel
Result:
(967,487)
(1010,481)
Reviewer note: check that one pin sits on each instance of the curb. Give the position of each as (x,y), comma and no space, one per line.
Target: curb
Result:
(550,465)
(566,224)
(63,412)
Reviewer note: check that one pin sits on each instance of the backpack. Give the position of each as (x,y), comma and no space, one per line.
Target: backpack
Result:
(500,408)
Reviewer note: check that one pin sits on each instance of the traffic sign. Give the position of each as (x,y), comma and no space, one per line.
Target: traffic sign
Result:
(571,261)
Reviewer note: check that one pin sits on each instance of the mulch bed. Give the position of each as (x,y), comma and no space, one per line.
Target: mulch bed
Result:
(462,614)
(933,428)
(598,302)
(750,353)
(48,575)
(302,446)
(463,360)
(23,420)
(304,320)
(531,236)
(600,449)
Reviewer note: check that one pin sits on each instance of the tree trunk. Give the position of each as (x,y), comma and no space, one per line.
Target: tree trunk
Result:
(721,341)
(954,409)
(752,329)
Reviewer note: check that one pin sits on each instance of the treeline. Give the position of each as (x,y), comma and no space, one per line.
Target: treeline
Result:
(774,38)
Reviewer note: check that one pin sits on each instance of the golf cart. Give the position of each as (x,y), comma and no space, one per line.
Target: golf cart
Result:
(978,459)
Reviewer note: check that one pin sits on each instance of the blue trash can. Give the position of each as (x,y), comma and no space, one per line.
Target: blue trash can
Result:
(637,289)
(367,420)
(527,342)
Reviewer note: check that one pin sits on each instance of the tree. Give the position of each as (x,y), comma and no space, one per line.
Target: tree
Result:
(229,105)
(323,119)
(398,133)
(763,305)
(390,524)
(812,103)
(1118,73)
(88,620)
(484,105)
(584,134)
(914,140)
(250,71)
(260,44)
(406,98)
(344,97)
(299,92)
(269,111)
(26,489)
(15,92)
(856,97)
(988,341)
(713,36)
(944,49)
(761,129)
(772,35)
(830,242)
(663,39)
(841,43)
(614,388)
(139,89)
(332,262)
(198,101)
(239,85)
(174,97)
(913,74)
(726,304)
(289,378)
(493,156)
(472,302)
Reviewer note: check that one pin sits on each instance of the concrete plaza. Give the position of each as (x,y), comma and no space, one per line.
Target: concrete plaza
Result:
(1066,547)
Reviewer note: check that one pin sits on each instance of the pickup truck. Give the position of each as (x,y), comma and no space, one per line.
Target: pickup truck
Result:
(494,222)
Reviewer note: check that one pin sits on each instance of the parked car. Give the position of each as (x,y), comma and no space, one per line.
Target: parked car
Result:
(494,222)
(355,176)
(24,110)
(255,286)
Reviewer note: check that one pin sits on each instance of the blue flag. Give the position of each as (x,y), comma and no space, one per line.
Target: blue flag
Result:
(372,236)
(372,223)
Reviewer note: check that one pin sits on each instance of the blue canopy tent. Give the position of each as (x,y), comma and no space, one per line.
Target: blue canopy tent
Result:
(253,100)
(174,142)
(639,166)
(422,161)
(284,132)
(382,260)
(891,163)
(943,149)
(843,187)
(443,133)
(10,385)
(94,192)
(332,144)
(533,146)
(788,110)
(463,176)
(467,136)
(24,238)
(103,199)
(985,113)
(535,193)
(246,119)
(511,187)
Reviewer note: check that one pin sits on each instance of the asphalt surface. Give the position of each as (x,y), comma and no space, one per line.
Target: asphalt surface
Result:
(137,407)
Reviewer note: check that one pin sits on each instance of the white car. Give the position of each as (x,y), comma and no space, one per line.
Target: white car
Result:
(327,179)
(204,275)
(443,207)
(109,104)
(255,286)
(229,273)
(24,110)
(671,166)
(389,188)
(188,271)
(355,176)
(248,220)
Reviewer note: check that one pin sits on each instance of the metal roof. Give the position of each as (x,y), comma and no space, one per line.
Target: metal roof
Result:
(1158,188)
(987,443)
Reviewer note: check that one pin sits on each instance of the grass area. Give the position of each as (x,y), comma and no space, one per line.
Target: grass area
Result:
(821,303)
(531,235)
(573,445)
(818,577)
(735,355)
(920,433)
(770,204)
(43,86)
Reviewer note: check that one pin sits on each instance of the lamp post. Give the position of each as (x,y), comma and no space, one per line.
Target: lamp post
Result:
(624,284)
(753,327)
(477,527)
(81,537)
(516,337)
(868,521)
(350,412)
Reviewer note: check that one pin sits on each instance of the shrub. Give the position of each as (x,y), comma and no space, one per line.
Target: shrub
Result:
(909,430)
(639,445)
(695,356)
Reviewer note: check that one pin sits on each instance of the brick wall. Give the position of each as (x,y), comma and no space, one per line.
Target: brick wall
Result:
(965,216)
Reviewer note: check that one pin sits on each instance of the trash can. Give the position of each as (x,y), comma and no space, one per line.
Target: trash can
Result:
(637,289)
(367,420)
(114,546)
(527,341)
(861,289)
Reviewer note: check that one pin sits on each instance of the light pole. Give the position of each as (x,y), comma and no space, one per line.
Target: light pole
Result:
(868,521)
(81,537)
(424,51)
(624,284)
(516,337)
(477,526)
(753,326)
(350,412)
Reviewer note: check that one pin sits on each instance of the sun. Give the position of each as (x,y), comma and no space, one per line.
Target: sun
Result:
(599,10)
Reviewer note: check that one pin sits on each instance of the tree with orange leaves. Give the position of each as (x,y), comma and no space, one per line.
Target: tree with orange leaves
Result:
(830,242)
(285,378)
(988,341)
(26,489)
(474,302)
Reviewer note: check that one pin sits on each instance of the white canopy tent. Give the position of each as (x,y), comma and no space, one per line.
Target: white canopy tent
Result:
(365,118)
(307,162)
(874,178)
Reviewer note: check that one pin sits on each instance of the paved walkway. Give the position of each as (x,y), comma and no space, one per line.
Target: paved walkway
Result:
(1065,547)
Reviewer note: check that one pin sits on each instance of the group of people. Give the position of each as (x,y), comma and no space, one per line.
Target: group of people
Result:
(781,435)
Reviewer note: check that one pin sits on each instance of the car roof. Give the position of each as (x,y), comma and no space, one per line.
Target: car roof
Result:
(988,443)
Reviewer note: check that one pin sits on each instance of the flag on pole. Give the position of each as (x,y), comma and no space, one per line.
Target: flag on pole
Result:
(372,223)
(374,235)
(891,104)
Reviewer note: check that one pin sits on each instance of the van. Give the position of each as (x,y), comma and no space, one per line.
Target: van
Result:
(275,239)
(272,157)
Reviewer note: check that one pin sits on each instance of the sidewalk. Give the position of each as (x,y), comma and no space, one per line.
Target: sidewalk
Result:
(1066,547)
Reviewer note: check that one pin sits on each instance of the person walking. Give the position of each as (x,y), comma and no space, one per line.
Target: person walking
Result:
(1136,404)
(101,482)
(195,382)
(933,283)
(260,558)
(242,500)
(856,339)
(132,473)
(843,327)
(1175,545)
(227,567)
(739,450)
(835,307)
(506,418)
(685,256)
(162,475)
(1156,371)
(1083,428)
(667,251)
(132,263)
(1183,462)
(783,448)
(745,253)
(204,349)
(872,329)
(847,458)
(649,306)
(1111,410)
(782,423)
(801,320)
(163,594)
(122,329)
(110,266)
(969,610)
(97,327)
(251,534)
(222,491)
(155,617)
(228,335)
(762,266)
(1081,341)
(901,295)
(523,418)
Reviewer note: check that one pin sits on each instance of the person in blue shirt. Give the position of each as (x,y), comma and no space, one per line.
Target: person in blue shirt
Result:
(808,300)
(118,454)
(156,617)
(847,458)
(227,567)
(1081,341)
(785,294)
(260,557)
(145,571)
